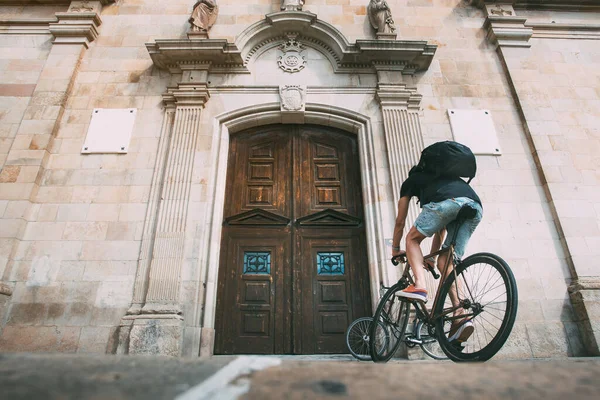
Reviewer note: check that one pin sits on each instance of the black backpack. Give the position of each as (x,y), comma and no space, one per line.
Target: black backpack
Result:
(450,159)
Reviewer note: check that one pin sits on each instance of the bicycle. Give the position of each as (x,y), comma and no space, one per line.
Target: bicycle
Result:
(475,300)
(358,339)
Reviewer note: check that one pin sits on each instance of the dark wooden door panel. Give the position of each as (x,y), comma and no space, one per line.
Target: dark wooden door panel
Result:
(329,173)
(294,203)
(331,269)
(254,308)
(259,173)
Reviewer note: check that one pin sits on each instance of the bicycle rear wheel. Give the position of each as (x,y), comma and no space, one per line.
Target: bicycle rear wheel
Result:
(357,338)
(392,313)
(487,292)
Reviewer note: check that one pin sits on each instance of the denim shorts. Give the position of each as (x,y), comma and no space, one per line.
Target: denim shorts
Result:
(436,216)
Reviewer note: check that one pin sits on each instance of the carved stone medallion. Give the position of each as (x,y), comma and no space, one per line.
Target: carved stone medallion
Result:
(292,59)
(292,97)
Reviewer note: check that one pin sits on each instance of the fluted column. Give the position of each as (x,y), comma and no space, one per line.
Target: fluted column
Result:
(154,324)
(169,236)
(400,109)
(141,280)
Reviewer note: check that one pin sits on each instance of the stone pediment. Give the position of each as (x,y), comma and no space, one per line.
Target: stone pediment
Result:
(257,217)
(330,218)
(363,56)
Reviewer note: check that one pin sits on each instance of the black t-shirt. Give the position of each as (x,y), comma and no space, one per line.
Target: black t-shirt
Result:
(428,188)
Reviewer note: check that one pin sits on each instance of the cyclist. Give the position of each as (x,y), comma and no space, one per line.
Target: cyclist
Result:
(441,198)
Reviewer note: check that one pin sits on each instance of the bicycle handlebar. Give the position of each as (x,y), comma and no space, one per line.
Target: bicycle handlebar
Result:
(399,259)
(432,270)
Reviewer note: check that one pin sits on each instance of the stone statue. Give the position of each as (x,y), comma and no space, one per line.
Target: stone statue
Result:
(204,15)
(380,17)
(292,5)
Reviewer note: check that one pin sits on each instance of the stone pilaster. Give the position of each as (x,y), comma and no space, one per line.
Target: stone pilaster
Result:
(167,254)
(400,109)
(141,280)
(154,324)
(512,35)
(34,141)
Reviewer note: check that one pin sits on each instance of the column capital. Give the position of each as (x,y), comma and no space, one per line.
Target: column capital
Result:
(398,96)
(186,94)
(504,28)
(508,31)
(75,28)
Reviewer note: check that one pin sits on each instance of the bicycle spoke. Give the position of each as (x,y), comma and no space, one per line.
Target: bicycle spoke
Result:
(489,323)
(485,305)
(487,280)
(481,285)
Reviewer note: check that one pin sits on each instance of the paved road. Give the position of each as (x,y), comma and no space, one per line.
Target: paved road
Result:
(33,376)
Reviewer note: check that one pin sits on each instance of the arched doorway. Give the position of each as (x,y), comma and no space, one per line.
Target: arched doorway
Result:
(293,267)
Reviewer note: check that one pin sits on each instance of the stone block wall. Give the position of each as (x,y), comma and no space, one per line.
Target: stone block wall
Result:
(72,260)
(557,84)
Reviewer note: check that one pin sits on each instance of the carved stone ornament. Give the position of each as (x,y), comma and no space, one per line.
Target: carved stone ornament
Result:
(292,59)
(498,10)
(292,97)
(292,5)
(204,15)
(81,6)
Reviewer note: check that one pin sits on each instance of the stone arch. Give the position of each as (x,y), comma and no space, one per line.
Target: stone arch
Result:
(270,113)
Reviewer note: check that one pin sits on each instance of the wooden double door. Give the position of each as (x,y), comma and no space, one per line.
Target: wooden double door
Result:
(293,272)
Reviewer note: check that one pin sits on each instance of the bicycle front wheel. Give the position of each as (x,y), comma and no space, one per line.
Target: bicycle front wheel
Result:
(486,291)
(392,313)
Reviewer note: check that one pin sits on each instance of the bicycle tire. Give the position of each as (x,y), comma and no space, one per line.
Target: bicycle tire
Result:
(507,280)
(393,312)
(357,338)
(429,345)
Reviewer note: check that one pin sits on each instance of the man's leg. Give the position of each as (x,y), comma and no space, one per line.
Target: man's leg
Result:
(441,264)
(415,256)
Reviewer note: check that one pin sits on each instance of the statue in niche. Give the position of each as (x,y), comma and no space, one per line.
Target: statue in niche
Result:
(204,15)
(380,17)
(292,5)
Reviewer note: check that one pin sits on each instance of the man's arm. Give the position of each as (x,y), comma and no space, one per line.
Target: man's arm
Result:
(400,222)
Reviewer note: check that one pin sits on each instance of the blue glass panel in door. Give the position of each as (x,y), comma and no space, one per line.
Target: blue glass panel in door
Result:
(331,263)
(257,262)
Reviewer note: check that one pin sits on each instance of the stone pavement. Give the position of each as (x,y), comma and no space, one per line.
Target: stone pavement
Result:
(49,376)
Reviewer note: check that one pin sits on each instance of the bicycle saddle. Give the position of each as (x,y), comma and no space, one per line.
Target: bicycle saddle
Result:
(466,212)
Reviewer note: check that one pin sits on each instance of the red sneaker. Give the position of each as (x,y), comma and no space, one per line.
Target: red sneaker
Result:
(411,292)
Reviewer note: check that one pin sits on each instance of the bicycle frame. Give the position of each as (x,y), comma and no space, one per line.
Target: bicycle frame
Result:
(422,312)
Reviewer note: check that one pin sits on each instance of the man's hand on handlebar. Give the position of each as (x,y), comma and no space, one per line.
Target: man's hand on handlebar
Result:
(430,262)
(398,257)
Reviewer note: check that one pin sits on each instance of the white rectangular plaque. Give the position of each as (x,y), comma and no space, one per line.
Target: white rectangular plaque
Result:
(110,130)
(475,128)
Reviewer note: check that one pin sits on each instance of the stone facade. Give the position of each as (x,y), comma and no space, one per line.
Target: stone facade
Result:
(118,253)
